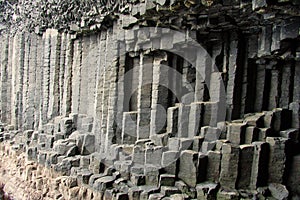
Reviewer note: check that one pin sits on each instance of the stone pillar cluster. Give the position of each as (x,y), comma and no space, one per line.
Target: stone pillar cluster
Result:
(130,112)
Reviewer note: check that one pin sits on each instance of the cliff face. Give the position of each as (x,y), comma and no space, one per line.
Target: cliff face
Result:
(153,99)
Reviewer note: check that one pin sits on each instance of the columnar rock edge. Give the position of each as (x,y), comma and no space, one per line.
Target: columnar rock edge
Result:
(122,109)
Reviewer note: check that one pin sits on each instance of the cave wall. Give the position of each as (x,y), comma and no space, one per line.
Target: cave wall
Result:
(96,111)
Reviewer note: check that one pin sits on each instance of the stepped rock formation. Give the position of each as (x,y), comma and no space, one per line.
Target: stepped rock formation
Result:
(150,99)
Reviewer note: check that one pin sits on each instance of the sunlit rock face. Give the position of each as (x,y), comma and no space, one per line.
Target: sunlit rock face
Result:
(150,99)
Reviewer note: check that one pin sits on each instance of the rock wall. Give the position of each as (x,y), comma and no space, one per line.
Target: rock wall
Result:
(202,106)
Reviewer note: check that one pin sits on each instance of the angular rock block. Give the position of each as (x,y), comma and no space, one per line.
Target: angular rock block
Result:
(169,161)
(291,133)
(236,133)
(166,180)
(153,155)
(138,155)
(88,145)
(66,126)
(63,146)
(264,133)
(295,108)
(245,166)
(151,173)
(256,120)
(103,183)
(294,181)
(183,120)
(137,179)
(279,191)
(279,158)
(259,171)
(282,119)
(129,127)
(188,167)
(251,134)
(197,143)
(213,166)
(210,133)
(228,195)
(207,190)
(229,166)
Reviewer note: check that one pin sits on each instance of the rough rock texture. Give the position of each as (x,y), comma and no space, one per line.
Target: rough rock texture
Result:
(150,99)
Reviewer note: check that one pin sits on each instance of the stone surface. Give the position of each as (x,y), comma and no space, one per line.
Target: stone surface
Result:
(119,94)
(188,167)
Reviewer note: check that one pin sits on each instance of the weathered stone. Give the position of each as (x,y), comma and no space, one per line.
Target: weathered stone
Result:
(152,175)
(166,180)
(264,133)
(236,133)
(279,157)
(134,193)
(168,190)
(292,134)
(282,119)
(229,166)
(251,135)
(259,171)
(103,183)
(197,143)
(279,191)
(188,167)
(213,166)
(293,180)
(169,160)
(155,196)
(207,190)
(256,120)
(210,133)
(295,108)
(224,195)
(88,145)
(245,166)
(153,155)
(93,178)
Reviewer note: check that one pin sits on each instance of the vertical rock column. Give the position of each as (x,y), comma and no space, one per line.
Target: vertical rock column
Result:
(17,80)
(159,95)
(121,93)
(112,62)
(245,166)
(62,67)
(232,88)
(27,116)
(46,77)
(144,96)
(4,79)
(76,75)
(286,83)
(202,74)
(274,90)
(25,79)
(55,47)
(66,100)
(99,92)
(86,63)
(38,92)
(279,155)
(296,93)
(229,166)
(259,170)
(195,119)
(260,86)
(105,93)
(92,72)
